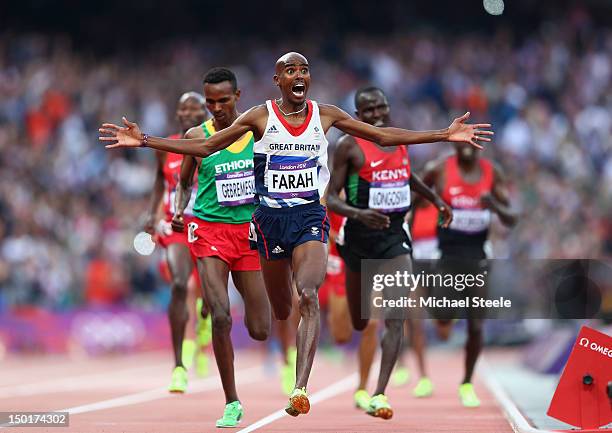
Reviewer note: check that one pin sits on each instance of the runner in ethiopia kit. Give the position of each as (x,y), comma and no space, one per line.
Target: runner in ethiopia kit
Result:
(290,225)
(377,184)
(180,266)
(219,232)
(475,188)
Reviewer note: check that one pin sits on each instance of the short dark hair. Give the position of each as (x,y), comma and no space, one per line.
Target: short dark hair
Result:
(364,90)
(219,75)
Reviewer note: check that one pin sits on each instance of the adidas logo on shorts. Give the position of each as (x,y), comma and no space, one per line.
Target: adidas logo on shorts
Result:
(314,231)
(272,130)
(277,250)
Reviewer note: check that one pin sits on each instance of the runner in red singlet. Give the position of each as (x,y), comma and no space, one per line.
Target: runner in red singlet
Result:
(179,263)
(475,188)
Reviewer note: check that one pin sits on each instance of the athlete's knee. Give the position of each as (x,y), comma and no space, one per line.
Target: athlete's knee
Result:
(282,312)
(309,300)
(221,321)
(179,288)
(395,326)
(259,332)
(341,330)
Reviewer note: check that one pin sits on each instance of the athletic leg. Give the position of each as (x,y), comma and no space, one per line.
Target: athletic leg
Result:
(367,349)
(277,278)
(339,318)
(214,273)
(473,347)
(257,315)
(192,296)
(309,265)
(180,264)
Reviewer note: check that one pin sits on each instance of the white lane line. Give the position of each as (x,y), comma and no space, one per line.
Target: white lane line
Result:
(76,383)
(514,416)
(248,375)
(328,392)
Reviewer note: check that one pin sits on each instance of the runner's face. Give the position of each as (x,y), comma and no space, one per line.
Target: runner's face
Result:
(466,152)
(221,101)
(190,113)
(373,108)
(294,81)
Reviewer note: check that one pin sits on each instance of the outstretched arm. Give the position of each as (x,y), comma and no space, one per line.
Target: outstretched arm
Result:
(418,186)
(130,135)
(498,201)
(458,131)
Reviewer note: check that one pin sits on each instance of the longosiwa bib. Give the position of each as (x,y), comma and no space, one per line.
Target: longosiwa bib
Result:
(226,182)
(383,182)
(291,162)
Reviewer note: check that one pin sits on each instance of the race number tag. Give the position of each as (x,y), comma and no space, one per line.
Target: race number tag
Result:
(191,228)
(293,179)
(188,209)
(390,196)
(471,220)
(236,188)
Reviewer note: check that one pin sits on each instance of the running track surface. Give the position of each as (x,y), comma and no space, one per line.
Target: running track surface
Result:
(126,393)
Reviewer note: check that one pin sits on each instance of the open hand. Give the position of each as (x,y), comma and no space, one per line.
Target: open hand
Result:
(459,131)
(123,136)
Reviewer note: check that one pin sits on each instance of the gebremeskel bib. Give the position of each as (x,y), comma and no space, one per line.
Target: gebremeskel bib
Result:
(226,182)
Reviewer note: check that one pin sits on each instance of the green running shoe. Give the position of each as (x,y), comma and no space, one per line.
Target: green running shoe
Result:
(203,325)
(298,402)
(468,395)
(401,376)
(188,353)
(423,389)
(362,399)
(232,415)
(380,407)
(178,383)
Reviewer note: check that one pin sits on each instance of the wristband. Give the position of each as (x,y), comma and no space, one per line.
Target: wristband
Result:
(145,140)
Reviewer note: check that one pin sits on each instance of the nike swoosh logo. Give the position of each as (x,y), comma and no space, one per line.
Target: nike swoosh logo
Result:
(174,164)
(376,163)
(455,190)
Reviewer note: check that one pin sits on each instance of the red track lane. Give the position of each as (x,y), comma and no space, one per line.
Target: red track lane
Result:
(91,381)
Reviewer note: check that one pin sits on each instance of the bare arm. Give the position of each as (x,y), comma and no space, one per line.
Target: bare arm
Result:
(156,194)
(458,131)
(130,135)
(498,201)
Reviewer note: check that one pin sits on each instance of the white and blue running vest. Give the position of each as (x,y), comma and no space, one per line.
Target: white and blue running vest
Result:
(291,163)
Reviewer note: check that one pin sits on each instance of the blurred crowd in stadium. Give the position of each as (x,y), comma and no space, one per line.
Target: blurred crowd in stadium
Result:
(69,209)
